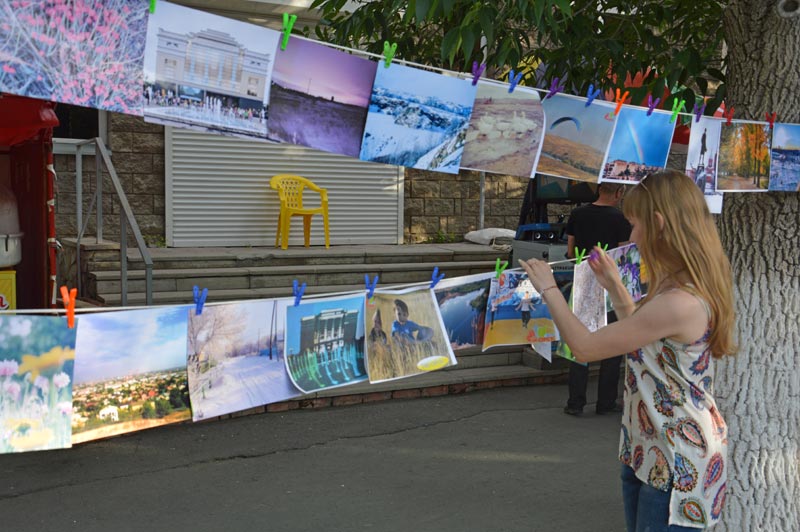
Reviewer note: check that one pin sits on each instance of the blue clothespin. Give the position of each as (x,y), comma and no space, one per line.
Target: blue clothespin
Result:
(370,286)
(388,53)
(288,24)
(698,112)
(477,71)
(499,268)
(513,80)
(555,88)
(435,277)
(298,291)
(591,94)
(153,6)
(677,106)
(579,254)
(651,104)
(199,299)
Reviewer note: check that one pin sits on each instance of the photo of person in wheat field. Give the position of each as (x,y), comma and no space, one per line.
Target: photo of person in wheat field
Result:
(415,340)
(744,157)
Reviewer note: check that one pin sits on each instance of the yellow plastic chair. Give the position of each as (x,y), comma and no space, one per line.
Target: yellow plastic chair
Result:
(290,192)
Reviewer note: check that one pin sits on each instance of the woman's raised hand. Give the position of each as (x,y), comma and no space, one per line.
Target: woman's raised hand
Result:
(604,268)
(539,273)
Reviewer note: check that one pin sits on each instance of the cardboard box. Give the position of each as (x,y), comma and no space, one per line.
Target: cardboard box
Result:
(8,290)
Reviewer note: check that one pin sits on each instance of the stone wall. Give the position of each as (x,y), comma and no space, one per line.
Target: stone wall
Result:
(138,157)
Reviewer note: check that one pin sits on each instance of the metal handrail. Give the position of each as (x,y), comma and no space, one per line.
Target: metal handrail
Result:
(101,152)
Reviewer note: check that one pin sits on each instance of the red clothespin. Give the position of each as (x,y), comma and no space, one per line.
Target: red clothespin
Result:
(68,298)
(651,105)
(771,119)
(620,101)
(728,114)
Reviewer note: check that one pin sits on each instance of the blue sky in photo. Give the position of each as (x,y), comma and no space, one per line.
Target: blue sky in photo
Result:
(587,125)
(425,84)
(786,136)
(130,342)
(640,138)
(712,127)
(313,307)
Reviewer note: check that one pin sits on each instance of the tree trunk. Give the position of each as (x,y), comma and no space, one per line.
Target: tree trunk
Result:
(759,389)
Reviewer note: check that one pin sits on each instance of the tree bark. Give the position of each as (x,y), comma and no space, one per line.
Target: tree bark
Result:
(759,389)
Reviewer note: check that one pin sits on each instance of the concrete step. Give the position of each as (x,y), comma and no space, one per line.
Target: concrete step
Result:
(104,284)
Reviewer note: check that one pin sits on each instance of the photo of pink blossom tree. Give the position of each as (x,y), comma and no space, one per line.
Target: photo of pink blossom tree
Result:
(81,52)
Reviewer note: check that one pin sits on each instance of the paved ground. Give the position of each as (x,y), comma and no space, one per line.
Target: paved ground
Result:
(498,460)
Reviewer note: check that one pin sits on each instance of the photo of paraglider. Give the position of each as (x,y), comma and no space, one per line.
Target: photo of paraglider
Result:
(576,137)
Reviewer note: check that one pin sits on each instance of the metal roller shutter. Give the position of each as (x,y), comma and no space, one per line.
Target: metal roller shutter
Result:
(218,194)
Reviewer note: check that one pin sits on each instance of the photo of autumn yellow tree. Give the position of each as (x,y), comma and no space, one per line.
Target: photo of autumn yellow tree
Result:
(744,156)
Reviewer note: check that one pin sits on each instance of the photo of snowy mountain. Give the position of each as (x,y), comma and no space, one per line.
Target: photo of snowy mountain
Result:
(417,119)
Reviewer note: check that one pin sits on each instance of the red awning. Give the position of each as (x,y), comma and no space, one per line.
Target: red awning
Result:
(23,118)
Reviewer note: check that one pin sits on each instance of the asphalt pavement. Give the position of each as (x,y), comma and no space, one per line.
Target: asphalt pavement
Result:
(506,459)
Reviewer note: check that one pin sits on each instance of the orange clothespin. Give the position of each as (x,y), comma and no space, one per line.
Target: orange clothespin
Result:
(68,297)
(620,100)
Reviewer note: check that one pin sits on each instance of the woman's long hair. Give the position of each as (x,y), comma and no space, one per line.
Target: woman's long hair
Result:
(688,242)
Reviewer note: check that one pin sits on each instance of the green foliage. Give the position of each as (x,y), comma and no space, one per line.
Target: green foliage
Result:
(441,238)
(676,42)
(163,408)
(148,410)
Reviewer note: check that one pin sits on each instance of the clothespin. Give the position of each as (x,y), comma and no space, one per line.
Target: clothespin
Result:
(298,291)
(68,297)
(591,94)
(288,24)
(499,268)
(728,114)
(771,119)
(435,277)
(153,6)
(620,101)
(677,106)
(604,247)
(370,286)
(651,105)
(513,80)
(388,53)
(698,112)
(199,299)
(594,255)
(477,71)
(555,88)
(579,254)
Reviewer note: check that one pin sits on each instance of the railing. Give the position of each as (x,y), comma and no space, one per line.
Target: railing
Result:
(127,218)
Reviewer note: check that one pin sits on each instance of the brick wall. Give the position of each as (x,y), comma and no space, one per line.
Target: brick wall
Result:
(138,157)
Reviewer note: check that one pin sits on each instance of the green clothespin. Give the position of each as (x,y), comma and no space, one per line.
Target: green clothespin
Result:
(153,6)
(288,24)
(677,106)
(579,254)
(604,247)
(499,268)
(388,53)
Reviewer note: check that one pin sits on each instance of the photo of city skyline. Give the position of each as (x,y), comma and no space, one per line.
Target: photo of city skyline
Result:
(640,145)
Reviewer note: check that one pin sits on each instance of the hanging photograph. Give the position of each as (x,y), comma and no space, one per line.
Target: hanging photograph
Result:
(417,119)
(462,304)
(405,335)
(207,72)
(325,343)
(640,145)
(516,313)
(90,56)
(130,372)
(629,262)
(744,157)
(702,159)
(37,354)
(319,97)
(231,363)
(505,131)
(784,175)
(576,137)
(588,298)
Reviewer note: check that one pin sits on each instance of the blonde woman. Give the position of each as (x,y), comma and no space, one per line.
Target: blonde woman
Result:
(673,442)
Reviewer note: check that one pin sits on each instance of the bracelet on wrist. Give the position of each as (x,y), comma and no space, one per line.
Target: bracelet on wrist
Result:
(548,288)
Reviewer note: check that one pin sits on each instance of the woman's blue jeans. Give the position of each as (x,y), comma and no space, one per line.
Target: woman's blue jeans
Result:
(646,508)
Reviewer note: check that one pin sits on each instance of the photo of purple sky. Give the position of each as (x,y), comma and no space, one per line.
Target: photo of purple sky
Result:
(324,72)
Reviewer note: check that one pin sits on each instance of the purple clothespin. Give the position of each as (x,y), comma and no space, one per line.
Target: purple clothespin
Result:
(698,112)
(591,94)
(199,299)
(435,277)
(555,88)
(513,80)
(298,291)
(477,71)
(651,105)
